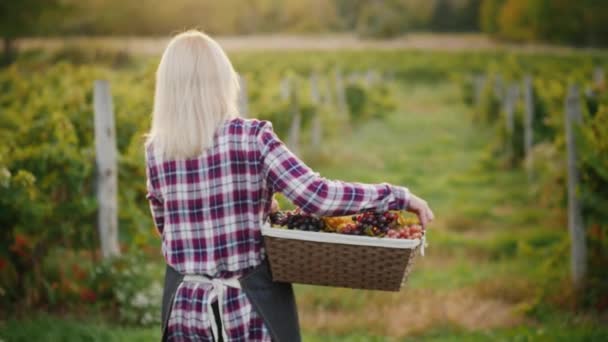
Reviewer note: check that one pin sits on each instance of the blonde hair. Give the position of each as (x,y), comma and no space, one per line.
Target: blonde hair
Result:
(196,91)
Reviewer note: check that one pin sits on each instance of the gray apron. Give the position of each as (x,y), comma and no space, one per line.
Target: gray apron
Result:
(273,301)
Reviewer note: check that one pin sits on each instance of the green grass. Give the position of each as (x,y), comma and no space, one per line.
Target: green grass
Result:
(53,329)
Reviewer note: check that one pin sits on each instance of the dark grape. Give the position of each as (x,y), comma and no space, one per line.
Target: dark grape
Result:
(297,220)
(278,218)
(373,223)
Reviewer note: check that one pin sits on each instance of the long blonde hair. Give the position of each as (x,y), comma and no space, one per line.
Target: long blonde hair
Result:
(196,91)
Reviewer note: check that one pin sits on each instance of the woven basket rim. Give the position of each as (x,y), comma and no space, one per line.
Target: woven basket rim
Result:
(324,237)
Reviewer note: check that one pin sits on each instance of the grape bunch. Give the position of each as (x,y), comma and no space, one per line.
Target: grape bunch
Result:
(297,220)
(414,231)
(371,223)
(388,224)
(278,218)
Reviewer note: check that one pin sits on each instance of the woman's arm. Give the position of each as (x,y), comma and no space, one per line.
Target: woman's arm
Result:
(316,195)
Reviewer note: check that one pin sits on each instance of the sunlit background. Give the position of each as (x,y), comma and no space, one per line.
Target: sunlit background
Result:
(495,111)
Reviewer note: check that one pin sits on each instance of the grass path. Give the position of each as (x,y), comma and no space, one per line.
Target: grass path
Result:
(430,146)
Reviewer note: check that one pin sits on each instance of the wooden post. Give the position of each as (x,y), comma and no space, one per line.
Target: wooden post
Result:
(510,103)
(529,124)
(598,77)
(316,133)
(293,140)
(479,83)
(243,97)
(285,89)
(499,90)
(369,78)
(294,133)
(315,95)
(107,182)
(326,95)
(340,93)
(573,118)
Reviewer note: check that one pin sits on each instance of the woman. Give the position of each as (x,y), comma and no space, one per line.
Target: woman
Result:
(210,179)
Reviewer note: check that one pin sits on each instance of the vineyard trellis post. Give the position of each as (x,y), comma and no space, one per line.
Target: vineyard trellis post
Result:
(499,90)
(479,82)
(512,94)
(326,96)
(316,133)
(599,77)
(285,89)
(369,78)
(340,93)
(573,118)
(288,92)
(107,169)
(243,97)
(528,124)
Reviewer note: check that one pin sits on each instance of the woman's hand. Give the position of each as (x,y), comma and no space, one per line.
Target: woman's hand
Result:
(274,207)
(419,207)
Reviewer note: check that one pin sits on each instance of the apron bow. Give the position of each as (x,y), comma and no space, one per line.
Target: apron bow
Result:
(218,288)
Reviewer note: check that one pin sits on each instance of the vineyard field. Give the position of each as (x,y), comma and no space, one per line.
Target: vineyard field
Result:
(497,262)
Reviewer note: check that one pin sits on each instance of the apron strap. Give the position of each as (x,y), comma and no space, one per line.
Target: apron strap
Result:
(218,289)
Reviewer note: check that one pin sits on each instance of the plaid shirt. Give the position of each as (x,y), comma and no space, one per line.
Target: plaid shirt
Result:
(209,210)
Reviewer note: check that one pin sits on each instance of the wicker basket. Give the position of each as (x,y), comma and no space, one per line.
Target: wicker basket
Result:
(358,262)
